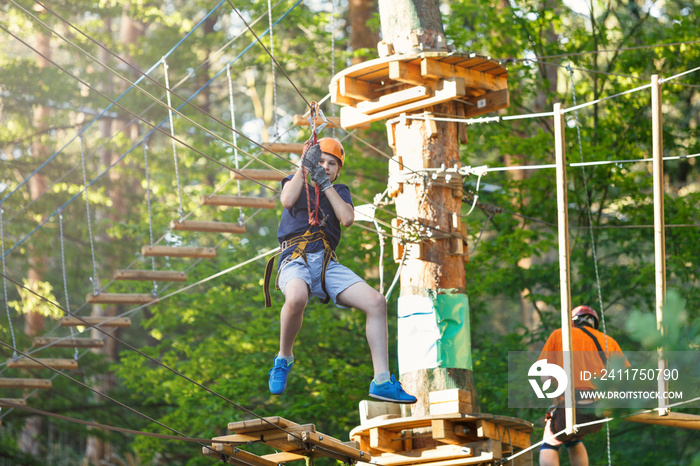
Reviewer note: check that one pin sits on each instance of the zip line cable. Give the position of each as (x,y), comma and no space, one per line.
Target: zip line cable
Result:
(109,106)
(272,66)
(4,283)
(190,73)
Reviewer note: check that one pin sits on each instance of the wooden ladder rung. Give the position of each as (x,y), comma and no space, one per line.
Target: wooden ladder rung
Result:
(14,401)
(39,363)
(151,275)
(260,175)
(240,201)
(285,147)
(174,251)
(58,342)
(121,298)
(89,321)
(43,384)
(207,227)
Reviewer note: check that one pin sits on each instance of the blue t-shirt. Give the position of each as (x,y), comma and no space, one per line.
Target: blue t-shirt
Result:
(295,221)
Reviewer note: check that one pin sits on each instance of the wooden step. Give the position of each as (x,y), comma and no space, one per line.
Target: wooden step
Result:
(43,384)
(260,175)
(172,251)
(240,201)
(58,342)
(121,298)
(14,401)
(39,363)
(89,321)
(285,147)
(207,227)
(151,275)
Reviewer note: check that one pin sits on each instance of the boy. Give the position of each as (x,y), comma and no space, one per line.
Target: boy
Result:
(308,267)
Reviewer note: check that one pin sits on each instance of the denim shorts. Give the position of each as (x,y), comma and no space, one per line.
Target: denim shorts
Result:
(338,277)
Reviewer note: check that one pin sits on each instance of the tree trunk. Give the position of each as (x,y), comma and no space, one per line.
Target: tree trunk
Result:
(361,35)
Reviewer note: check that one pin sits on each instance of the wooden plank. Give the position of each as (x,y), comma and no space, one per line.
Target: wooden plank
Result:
(285,456)
(337,97)
(335,446)
(673,419)
(370,409)
(416,422)
(240,201)
(449,432)
(42,363)
(207,226)
(385,440)
(407,73)
(58,342)
(285,147)
(451,89)
(151,275)
(357,89)
(172,251)
(453,394)
(473,79)
(90,321)
(503,434)
(271,433)
(255,425)
(489,102)
(394,99)
(260,175)
(6,382)
(424,455)
(450,407)
(15,401)
(236,455)
(121,298)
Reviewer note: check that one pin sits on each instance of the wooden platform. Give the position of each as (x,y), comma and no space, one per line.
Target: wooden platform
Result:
(672,419)
(295,442)
(461,439)
(387,87)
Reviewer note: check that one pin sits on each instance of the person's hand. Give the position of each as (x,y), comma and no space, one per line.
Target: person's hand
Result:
(312,157)
(319,176)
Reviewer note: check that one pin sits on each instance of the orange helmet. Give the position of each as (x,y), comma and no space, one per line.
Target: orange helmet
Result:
(333,147)
(580,311)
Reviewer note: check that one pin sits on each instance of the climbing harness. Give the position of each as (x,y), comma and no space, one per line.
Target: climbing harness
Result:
(299,244)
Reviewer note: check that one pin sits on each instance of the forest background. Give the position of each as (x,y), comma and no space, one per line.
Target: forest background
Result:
(64,63)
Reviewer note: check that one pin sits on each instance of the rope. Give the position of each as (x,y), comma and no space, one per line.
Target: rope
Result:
(4,283)
(234,135)
(172,136)
(313,140)
(154,292)
(65,279)
(93,279)
(272,65)
(592,236)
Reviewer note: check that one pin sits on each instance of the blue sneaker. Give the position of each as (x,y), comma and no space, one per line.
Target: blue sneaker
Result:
(391,391)
(278,376)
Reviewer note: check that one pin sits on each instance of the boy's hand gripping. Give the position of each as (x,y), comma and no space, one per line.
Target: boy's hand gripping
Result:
(318,174)
(312,158)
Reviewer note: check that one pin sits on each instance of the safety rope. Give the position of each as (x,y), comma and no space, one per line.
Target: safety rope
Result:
(274,72)
(154,292)
(234,134)
(4,283)
(93,279)
(592,237)
(172,137)
(65,279)
(312,141)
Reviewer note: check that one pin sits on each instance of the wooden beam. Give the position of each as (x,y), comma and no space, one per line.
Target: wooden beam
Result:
(39,363)
(385,440)
(207,226)
(270,436)
(43,384)
(425,455)
(15,401)
(90,321)
(408,73)
(255,425)
(451,89)
(394,99)
(121,298)
(449,432)
(236,455)
(285,456)
(58,342)
(337,97)
(489,102)
(240,201)
(172,251)
(357,89)
(151,275)
(672,419)
(503,434)
(260,175)
(473,79)
(284,147)
(329,443)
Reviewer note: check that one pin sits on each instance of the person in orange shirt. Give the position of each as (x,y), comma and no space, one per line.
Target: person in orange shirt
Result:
(592,350)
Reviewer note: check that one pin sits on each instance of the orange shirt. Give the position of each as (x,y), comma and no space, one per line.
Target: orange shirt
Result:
(586,357)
